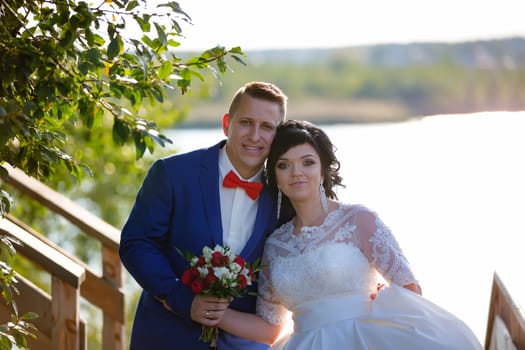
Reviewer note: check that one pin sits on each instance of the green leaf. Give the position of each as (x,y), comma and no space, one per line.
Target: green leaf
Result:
(98,40)
(158,137)
(86,112)
(21,340)
(165,70)
(150,143)
(29,316)
(236,50)
(98,114)
(144,23)
(177,9)
(115,47)
(173,43)
(90,38)
(146,40)
(162,35)
(140,145)
(239,60)
(120,131)
(93,55)
(131,5)
(6,341)
(29,106)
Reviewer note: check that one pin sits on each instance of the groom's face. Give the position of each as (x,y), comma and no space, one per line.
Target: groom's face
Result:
(250,133)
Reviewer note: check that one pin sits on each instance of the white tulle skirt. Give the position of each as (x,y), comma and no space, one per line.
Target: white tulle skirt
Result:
(396,319)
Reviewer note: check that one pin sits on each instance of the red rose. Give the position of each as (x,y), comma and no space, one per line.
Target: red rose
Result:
(242,281)
(240,261)
(197,286)
(189,275)
(217,259)
(210,279)
(201,262)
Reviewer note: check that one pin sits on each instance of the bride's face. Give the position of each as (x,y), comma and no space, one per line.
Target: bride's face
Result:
(298,173)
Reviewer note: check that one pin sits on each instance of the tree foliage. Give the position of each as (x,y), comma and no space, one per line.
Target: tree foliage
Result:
(71,71)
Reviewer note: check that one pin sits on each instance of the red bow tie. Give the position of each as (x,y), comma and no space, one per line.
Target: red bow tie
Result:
(252,188)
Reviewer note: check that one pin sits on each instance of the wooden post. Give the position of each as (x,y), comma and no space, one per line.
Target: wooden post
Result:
(503,305)
(65,305)
(113,330)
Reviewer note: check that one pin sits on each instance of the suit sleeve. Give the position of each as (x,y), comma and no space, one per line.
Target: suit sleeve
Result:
(144,242)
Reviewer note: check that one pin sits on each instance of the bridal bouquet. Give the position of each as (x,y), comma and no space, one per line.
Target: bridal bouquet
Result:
(220,273)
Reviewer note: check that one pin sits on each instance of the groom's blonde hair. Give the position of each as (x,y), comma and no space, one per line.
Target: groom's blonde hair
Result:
(263,91)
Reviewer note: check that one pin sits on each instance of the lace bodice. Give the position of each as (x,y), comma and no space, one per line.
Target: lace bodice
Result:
(342,255)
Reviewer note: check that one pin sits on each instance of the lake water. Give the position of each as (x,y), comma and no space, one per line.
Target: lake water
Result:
(451,188)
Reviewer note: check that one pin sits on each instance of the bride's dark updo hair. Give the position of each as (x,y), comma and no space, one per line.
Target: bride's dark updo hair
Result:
(292,133)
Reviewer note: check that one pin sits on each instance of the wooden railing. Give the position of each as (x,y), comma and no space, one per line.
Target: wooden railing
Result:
(506,320)
(59,325)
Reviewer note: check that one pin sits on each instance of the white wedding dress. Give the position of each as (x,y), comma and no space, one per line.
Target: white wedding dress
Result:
(325,275)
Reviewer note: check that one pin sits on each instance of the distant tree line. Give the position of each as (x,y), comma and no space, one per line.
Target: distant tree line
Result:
(424,79)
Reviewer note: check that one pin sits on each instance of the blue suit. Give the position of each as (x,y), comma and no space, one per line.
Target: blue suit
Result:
(178,206)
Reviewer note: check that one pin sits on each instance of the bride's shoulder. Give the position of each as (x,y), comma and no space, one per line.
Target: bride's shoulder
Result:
(354,209)
(358,214)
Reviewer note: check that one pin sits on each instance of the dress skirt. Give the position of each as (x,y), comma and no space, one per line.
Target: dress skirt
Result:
(396,319)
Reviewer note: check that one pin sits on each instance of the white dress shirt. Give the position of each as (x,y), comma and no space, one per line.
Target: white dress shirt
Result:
(238,211)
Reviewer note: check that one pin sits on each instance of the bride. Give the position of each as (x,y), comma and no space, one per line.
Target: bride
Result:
(323,266)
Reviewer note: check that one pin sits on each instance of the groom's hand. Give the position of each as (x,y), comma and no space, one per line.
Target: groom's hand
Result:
(208,310)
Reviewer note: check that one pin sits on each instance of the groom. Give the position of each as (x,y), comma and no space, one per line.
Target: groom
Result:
(184,203)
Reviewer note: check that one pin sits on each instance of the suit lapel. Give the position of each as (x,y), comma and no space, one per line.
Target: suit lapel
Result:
(209,183)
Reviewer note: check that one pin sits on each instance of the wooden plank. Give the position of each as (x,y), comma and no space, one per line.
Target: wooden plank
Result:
(42,342)
(82,218)
(45,256)
(104,295)
(503,305)
(33,299)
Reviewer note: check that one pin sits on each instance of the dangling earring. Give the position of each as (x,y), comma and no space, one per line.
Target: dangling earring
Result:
(322,194)
(279,201)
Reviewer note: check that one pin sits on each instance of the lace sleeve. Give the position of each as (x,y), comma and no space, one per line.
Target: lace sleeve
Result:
(382,250)
(268,306)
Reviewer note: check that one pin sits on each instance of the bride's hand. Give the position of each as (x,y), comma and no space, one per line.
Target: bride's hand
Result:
(208,310)
(374,294)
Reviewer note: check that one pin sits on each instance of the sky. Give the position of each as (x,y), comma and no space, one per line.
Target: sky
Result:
(280,24)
